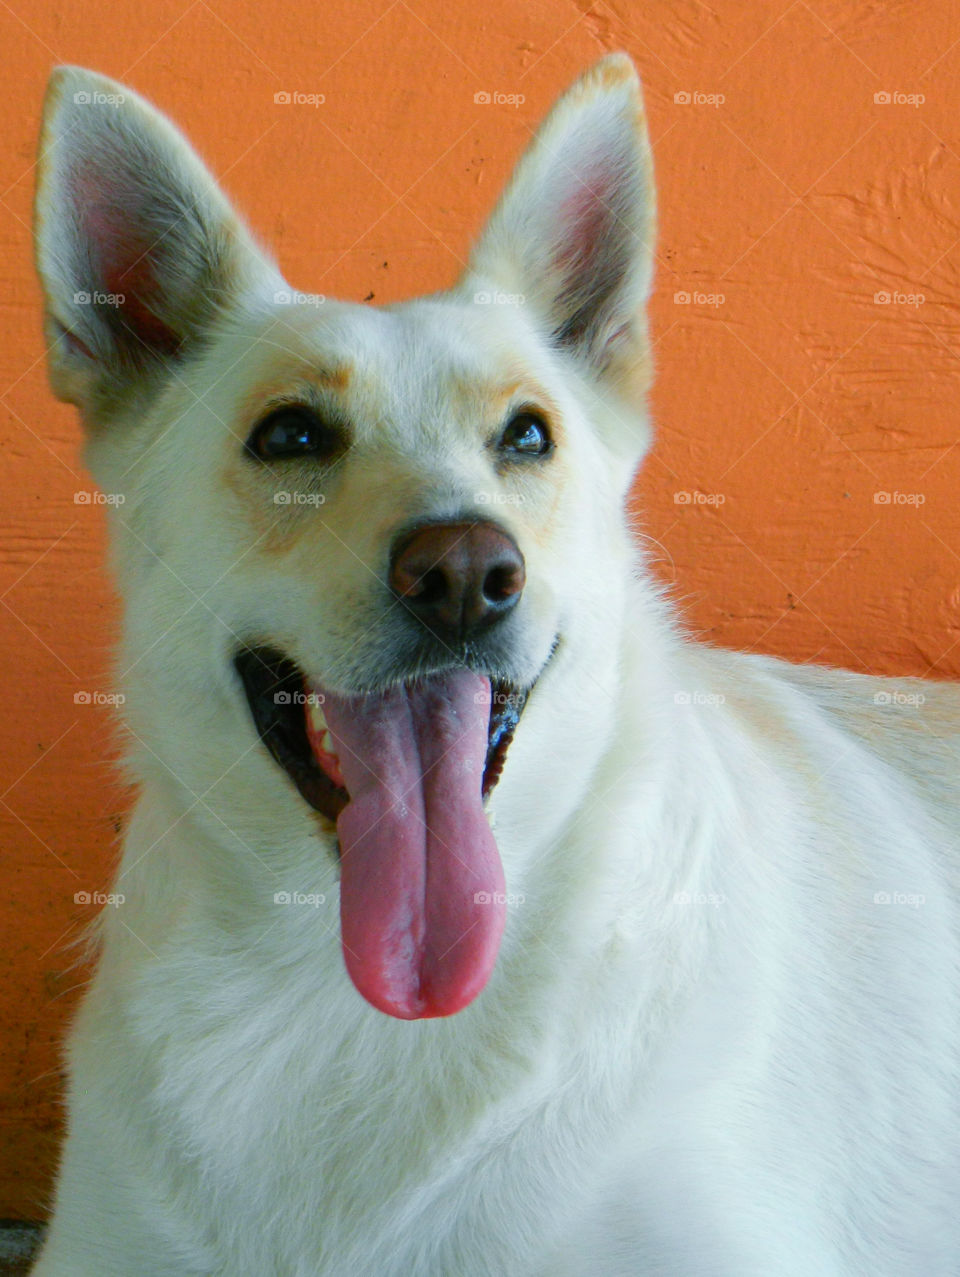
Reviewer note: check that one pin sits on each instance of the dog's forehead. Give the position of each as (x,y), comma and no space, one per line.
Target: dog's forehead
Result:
(415,356)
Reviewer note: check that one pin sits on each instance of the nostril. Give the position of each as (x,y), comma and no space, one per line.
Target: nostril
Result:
(502,582)
(430,588)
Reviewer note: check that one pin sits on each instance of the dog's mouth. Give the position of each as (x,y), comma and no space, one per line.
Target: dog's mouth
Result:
(404,773)
(290,720)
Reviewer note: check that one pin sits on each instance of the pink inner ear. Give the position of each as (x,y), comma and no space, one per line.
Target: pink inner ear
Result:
(121,256)
(586,217)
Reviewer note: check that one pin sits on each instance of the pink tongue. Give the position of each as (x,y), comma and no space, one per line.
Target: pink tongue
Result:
(421,886)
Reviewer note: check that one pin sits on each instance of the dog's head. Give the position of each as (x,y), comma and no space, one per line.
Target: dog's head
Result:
(360,548)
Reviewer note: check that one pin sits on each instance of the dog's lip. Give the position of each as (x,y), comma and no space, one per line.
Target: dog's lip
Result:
(274,687)
(277,690)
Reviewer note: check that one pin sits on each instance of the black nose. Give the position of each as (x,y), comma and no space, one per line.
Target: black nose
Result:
(458,578)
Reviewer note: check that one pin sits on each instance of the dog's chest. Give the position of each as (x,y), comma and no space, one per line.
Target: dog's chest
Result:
(304,1130)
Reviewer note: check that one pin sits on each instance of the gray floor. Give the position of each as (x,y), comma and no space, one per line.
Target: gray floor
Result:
(18,1242)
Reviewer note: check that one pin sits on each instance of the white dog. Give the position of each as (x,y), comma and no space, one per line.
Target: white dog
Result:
(477,923)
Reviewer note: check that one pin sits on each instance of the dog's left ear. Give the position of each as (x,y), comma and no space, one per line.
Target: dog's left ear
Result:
(137,248)
(573,233)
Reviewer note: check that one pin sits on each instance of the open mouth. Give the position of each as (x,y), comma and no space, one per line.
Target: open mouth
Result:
(404,773)
(290,720)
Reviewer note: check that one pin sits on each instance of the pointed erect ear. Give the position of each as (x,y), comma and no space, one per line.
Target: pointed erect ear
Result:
(136,246)
(573,233)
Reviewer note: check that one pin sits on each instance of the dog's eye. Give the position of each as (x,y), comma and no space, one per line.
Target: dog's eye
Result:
(527,434)
(291,432)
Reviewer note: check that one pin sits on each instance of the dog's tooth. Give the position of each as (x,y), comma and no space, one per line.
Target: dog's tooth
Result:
(326,742)
(315,717)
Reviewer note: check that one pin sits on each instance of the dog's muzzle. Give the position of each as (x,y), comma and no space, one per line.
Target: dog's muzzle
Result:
(405,768)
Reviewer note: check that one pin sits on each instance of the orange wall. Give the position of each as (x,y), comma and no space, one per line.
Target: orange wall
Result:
(795,398)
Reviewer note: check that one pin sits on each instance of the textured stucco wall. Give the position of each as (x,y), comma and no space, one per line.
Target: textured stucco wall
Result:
(788,395)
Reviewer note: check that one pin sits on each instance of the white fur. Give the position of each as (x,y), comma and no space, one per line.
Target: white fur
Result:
(705,1048)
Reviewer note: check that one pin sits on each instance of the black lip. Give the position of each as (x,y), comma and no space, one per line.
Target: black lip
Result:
(274,687)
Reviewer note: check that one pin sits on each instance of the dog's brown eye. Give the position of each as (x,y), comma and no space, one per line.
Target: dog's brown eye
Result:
(527,434)
(292,432)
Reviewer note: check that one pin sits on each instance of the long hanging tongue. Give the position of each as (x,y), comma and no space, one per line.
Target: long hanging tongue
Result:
(421,886)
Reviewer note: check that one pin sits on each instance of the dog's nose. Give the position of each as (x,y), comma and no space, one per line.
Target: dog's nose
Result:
(457,578)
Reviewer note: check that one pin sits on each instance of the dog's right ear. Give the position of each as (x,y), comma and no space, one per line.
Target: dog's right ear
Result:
(136,247)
